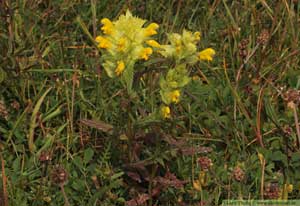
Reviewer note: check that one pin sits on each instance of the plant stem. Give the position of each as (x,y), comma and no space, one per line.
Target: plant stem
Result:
(297,125)
(262,180)
(64,194)
(4,179)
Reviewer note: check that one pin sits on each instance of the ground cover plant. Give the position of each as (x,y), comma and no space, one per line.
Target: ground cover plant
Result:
(149,102)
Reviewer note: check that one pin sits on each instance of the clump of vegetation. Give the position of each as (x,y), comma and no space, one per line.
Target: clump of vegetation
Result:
(99,106)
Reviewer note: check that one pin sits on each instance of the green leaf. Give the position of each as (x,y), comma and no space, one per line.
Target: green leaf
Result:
(127,77)
(100,193)
(78,162)
(295,157)
(117,175)
(2,75)
(33,121)
(278,156)
(88,155)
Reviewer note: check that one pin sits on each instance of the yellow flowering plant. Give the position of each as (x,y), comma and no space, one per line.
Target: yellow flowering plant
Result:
(182,49)
(127,40)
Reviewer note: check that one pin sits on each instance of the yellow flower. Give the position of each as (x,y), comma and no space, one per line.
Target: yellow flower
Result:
(202,178)
(289,188)
(175,96)
(107,27)
(197,185)
(146,52)
(197,36)
(151,29)
(178,49)
(120,68)
(261,158)
(103,42)
(166,112)
(178,46)
(153,43)
(122,44)
(207,54)
(195,77)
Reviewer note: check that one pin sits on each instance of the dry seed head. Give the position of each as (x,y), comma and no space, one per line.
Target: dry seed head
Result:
(205,163)
(15,105)
(243,44)
(45,156)
(3,110)
(243,48)
(292,95)
(59,175)
(243,53)
(272,191)
(263,37)
(287,130)
(238,174)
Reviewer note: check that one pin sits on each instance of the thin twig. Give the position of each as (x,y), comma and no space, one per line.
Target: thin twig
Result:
(297,125)
(262,178)
(258,117)
(5,197)
(64,194)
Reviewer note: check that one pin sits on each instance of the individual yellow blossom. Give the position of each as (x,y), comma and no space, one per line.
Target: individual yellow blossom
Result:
(153,43)
(146,52)
(201,178)
(166,112)
(151,29)
(261,158)
(120,68)
(178,41)
(195,77)
(107,27)
(197,36)
(289,188)
(197,185)
(122,44)
(207,54)
(175,96)
(178,49)
(178,46)
(103,42)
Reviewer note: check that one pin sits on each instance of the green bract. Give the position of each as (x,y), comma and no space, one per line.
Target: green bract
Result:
(175,79)
(182,47)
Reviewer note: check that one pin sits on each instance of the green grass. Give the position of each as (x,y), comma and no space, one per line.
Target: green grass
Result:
(52,82)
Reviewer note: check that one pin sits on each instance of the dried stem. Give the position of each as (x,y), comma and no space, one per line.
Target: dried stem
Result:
(262,178)
(5,197)
(297,125)
(258,118)
(64,194)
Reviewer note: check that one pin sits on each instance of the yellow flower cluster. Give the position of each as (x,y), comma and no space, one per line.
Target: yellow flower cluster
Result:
(170,86)
(184,47)
(124,42)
